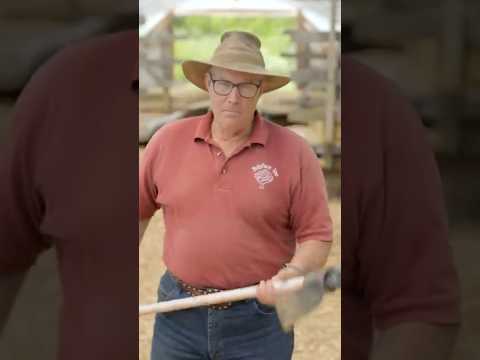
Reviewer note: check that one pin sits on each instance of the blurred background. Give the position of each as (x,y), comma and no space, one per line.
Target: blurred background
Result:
(431,50)
(299,38)
(31,32)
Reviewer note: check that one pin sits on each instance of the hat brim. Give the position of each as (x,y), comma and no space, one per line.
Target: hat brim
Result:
(195,72)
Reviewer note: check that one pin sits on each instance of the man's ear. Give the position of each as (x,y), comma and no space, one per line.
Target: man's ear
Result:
(260,90)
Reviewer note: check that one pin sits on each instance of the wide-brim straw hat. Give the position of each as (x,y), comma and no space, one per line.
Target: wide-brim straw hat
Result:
(239,51)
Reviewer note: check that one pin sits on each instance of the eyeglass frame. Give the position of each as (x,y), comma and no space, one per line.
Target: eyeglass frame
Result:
(234,85)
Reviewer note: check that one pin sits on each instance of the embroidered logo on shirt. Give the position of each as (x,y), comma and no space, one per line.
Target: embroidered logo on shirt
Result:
(264,174)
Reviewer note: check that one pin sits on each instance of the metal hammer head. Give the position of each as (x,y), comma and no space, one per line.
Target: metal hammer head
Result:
(293,305)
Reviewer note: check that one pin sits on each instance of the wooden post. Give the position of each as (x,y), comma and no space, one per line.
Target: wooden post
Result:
(331,88)
(169,49)
(302,48)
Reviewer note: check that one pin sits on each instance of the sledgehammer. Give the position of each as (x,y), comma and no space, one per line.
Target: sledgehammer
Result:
(296,296)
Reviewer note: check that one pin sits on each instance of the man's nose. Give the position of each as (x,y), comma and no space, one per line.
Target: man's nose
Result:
(234,95)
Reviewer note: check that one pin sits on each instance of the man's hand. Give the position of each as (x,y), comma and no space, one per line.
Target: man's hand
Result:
(266,292)
(311,255)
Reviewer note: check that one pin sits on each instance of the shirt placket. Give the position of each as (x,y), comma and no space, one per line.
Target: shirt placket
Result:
(221,168)
(222,164)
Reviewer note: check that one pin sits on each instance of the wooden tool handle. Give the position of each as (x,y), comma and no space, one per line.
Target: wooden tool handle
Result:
(249,292)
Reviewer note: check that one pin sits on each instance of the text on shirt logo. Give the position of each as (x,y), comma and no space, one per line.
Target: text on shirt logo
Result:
(264,174)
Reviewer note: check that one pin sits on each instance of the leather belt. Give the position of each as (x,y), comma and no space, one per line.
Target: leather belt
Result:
(196,291)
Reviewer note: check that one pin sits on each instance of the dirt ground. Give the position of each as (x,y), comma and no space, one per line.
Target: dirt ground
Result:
(316,336)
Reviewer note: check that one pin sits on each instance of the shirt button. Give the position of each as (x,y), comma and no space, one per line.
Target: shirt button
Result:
(219,153)
(224,171)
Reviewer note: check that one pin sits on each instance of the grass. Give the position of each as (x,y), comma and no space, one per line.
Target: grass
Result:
(203,35)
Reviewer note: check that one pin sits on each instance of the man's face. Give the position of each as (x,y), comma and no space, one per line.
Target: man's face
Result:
(236,108)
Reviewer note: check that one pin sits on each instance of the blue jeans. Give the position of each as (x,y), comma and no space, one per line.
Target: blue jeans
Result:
(246,331)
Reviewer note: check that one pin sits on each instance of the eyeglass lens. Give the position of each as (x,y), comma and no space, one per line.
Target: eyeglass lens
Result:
(224,87)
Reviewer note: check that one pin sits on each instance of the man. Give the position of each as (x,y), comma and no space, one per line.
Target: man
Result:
(238,194)
(68,181)
(400,296)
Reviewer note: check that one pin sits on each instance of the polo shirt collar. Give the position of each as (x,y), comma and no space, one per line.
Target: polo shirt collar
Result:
(259,133)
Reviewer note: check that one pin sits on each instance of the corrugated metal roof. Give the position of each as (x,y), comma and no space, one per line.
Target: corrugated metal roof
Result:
(235,5)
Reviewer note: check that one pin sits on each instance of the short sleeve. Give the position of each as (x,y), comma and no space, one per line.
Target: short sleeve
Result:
(309,212)
(21,202)
(408,274)
(148,189)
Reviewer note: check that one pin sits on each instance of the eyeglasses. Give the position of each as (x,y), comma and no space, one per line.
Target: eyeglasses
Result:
(224,87)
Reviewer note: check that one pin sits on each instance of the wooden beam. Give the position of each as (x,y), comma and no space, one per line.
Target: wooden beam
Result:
(308,102)
(331,100)
(306,37)
(308,53)
(167,36)
(309,75)
(302,61)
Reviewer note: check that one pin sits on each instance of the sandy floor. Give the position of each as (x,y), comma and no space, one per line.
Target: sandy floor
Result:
(317,335)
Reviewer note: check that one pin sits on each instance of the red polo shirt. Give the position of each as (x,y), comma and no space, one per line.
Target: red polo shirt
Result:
(232,221)
(397,265)
(68,180)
